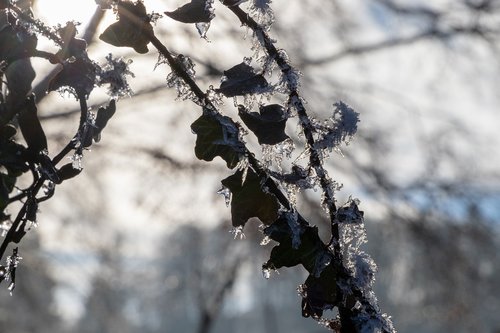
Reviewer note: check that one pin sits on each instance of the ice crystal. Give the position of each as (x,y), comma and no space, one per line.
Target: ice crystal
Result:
(266,273)
(328,193)
(114,72)
(224,191)
(214,97)
(340,128)
(263,13)
(277,153)
(243,165)
(366,323)
(184,92)
(154,17)
(202,28)
(266,240)
(5,227)
(238,232)
(10,269)
(76,160)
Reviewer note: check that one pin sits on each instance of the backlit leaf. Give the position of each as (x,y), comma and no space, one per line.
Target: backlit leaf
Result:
(195,11)
(268,125)
(217,136)
(249,199)
(241,80)
(31,128)
(132,28)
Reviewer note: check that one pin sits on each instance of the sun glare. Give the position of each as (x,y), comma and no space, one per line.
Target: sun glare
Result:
(55,12)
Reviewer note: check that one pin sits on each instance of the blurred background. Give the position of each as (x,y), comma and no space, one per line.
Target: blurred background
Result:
(140,241)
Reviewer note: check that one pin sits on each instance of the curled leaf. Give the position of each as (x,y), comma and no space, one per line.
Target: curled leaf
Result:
(102,118)
(195,11)
(249,199)
(268,125)
(132,28)
(241,80)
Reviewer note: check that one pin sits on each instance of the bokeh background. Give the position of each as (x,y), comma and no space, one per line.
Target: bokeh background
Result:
(140,241)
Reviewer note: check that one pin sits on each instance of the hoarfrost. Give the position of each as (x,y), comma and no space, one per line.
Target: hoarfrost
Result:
(214,97)
(76,160)
(266,240)
(184,92)
(340,128)
(114,72)
(263,13)
(266,273)
(202,28)
(276,153)
(224,191)
(237,232)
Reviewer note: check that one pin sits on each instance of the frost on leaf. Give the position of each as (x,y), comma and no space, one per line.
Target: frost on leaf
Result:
(249,199)
(242,80)
(114,72)
(132,28)
(319,290)
(217,135)
(268,125)
(340,128)
(195,11)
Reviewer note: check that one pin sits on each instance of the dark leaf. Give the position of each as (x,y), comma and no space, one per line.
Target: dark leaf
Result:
(16,44)
(78,70)
(268,126)
(285,254)
(250,200)
(7,132)
(217,136)
(12,155)
(102,118)
(67,171)
(241,80)
(194,12)
(132,28)
(319,293)
(7,183)
(31,128)
(320,289)
(72,47)
(79,74)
